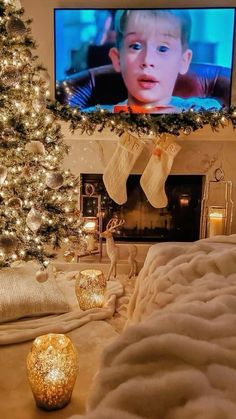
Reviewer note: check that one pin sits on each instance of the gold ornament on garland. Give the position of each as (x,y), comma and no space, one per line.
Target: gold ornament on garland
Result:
(187,130)
(34,220)
(3,174)
(54,180)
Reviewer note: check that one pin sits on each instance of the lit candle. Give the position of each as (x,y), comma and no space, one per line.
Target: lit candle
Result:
(90,288)
(90,226)
(216,224)
(52,367)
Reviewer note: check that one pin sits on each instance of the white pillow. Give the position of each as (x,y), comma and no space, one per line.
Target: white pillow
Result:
(21,295)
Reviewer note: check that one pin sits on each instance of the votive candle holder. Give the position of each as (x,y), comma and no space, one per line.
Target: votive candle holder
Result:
(90,287)
(52,367)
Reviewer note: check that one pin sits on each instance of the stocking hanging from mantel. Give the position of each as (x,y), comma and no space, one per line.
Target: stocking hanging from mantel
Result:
(154,176)
(157,170)
(119,167)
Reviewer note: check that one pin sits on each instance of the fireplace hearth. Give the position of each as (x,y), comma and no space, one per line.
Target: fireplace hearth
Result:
(179,221)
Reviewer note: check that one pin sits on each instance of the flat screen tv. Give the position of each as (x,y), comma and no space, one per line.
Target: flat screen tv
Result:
(144,60)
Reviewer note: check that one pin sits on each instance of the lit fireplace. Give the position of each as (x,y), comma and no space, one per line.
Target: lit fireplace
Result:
(179,221)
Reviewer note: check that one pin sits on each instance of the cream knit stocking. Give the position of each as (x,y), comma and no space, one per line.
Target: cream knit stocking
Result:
(118,169)
(158,168)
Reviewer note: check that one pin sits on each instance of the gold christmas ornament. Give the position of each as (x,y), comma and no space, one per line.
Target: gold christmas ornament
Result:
(7,134)
(3,174)
(34,219)
(39,103)
(8,244)
(35,147)
(46,78)
(52,367)
(54,180)
(10,76)
(41,276)
(15,27)
(15,202)
(90,289)
(69,256)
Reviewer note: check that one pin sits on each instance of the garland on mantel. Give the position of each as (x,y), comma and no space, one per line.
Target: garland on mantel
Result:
(143,124)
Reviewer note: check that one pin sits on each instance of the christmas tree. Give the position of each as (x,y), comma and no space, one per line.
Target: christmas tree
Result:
(38,199)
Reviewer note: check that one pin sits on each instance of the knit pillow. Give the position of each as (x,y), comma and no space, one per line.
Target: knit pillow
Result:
(21,295)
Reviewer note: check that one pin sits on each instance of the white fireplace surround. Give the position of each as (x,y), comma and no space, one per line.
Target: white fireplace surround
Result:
(198,155)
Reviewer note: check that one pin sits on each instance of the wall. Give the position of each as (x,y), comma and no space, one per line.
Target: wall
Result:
(202,152)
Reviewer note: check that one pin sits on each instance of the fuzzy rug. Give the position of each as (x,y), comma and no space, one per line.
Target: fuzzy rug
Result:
(177,357)
(90,331)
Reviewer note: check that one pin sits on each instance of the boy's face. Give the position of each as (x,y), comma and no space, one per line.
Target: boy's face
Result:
(150,58)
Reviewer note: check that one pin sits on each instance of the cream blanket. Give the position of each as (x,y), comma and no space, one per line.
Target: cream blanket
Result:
(178,359)
(27,329)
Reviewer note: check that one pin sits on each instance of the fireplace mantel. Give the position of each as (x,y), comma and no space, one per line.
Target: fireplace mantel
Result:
(201,153)
(205,134)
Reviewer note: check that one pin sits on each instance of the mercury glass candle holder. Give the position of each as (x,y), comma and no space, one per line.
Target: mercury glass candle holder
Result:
(52,367)
(90,289)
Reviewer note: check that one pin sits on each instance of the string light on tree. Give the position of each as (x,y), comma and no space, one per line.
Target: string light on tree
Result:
(31,153)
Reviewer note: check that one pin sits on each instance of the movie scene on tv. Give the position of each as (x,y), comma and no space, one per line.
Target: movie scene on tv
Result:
(144,60)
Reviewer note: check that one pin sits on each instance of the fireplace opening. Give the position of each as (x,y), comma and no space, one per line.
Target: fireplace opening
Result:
(179,221)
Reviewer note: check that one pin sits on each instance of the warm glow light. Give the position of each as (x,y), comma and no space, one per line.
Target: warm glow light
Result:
(184,200)
(52,367)
(90,226)
(216,222)
(90,288)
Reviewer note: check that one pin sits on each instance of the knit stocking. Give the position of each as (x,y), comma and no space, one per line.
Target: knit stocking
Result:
(118,169)
(158,168)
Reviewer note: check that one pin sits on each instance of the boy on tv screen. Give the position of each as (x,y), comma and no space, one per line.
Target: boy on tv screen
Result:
(152,50)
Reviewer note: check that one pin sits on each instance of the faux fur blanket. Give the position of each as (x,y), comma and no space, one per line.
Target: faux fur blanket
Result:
(178,359)
(27,329)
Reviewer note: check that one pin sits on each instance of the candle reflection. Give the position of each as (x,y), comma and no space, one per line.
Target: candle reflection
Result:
(184,200)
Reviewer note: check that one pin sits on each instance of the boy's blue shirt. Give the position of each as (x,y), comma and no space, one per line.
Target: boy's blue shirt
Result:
(182,104)
(194,102)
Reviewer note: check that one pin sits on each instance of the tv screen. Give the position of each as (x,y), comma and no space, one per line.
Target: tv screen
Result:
(144,60)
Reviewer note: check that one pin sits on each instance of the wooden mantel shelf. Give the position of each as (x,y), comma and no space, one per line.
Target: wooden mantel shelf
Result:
(205,134)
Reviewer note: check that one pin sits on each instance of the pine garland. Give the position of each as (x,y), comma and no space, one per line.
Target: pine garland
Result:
(143,124)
